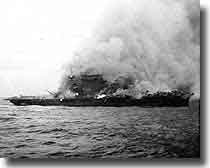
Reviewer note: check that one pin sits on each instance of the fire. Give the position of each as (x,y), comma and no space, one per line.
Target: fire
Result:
(139,46)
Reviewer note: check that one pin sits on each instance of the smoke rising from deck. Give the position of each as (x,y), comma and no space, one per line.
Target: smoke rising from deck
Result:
(154,42)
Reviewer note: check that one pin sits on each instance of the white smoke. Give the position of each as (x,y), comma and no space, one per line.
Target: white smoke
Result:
(156,42)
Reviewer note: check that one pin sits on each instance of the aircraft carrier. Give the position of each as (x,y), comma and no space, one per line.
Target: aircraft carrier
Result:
(93,90)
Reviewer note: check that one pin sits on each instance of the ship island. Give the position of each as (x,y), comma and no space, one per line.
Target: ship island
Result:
(94,90)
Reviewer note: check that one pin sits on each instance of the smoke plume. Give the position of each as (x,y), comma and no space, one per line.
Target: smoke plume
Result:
(156,43)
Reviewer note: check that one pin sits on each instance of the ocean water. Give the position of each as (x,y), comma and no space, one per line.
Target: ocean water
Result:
(97,132)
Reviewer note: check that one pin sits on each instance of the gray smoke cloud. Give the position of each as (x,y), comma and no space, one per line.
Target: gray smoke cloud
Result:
(154,42)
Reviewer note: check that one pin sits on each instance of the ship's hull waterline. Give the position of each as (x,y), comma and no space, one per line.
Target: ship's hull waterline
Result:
(112,102)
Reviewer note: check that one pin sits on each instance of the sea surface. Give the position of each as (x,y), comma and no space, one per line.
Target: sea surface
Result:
(97,132)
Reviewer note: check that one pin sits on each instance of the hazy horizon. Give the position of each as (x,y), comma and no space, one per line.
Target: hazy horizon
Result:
(38,39)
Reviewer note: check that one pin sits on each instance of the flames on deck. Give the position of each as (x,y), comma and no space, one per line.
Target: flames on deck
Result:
(95,86)
(138,48)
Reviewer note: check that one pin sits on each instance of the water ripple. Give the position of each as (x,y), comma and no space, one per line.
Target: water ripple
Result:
(97,132)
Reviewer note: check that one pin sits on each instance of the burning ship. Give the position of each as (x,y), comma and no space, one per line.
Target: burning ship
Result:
(93,90)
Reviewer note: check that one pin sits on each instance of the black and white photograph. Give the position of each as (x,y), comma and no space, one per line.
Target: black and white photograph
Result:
(100,79)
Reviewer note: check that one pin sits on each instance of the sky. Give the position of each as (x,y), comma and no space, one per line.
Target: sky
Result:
(37,39)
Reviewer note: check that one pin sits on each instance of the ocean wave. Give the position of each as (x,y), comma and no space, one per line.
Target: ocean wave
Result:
(74,132)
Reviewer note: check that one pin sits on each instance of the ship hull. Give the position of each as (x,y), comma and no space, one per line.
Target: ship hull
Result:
(115,102)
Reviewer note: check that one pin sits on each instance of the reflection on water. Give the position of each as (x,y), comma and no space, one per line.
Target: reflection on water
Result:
(97,132)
